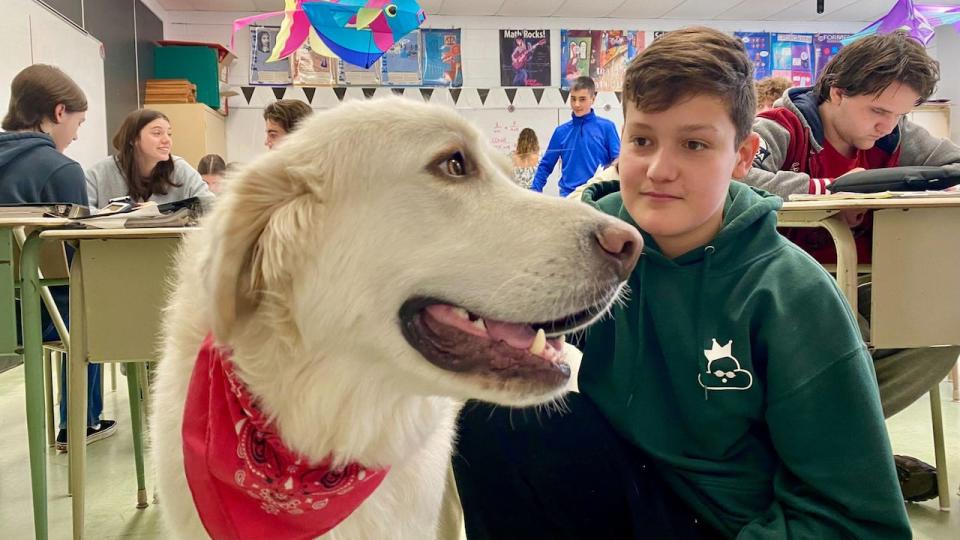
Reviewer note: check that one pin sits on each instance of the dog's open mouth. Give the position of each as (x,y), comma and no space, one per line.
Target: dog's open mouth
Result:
(457,340)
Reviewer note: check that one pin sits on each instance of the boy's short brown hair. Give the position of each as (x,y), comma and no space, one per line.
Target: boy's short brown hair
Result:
(35,93)
(871,64)
(691,62)
(287,113)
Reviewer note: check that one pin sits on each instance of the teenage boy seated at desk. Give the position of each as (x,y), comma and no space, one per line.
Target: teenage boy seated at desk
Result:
(854,118)
(730,394)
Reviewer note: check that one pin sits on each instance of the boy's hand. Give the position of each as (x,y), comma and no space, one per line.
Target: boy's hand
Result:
(853,217)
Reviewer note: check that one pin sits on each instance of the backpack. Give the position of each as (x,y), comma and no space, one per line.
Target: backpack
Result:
(918,480)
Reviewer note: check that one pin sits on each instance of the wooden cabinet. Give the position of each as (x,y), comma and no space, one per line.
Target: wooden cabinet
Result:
(935,117)
(198,130)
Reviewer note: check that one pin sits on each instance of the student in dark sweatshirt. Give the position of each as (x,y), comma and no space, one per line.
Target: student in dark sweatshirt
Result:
(730,395)
(46,110)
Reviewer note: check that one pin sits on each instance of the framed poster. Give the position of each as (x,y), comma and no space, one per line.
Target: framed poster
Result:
(311,69)
(442,65)
(262,40)
(757,45)
(525,57)
(401,64)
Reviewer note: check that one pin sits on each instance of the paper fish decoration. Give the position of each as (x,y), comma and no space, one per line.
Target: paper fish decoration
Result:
(918,20)
(356,31)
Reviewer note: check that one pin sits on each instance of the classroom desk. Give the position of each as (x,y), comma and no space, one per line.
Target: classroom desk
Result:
(915,264)
(132,262)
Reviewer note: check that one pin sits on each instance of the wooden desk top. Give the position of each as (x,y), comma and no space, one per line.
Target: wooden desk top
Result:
(11,222)
(872,204)
(93,234)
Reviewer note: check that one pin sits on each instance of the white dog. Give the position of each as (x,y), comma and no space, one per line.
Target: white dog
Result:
(361,281)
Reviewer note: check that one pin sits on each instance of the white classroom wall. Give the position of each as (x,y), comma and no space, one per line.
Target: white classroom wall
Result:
(481,70)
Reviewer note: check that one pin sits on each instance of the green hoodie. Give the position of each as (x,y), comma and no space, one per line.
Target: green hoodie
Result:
(739,369)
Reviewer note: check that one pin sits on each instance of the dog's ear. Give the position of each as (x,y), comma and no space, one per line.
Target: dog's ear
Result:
(257,218)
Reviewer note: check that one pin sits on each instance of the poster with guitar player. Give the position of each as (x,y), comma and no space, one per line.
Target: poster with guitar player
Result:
(525,57)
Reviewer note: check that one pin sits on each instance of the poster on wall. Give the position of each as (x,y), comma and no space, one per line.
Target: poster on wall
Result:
(600,54)
(401,63)
(613,51)
(576,47)
(441,57)
(525,57)
(757,45)
(262,39)
(351,75)
(826,46)
(793,57)
(311,69)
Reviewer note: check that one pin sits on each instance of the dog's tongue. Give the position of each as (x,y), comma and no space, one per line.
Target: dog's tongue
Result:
(519,336)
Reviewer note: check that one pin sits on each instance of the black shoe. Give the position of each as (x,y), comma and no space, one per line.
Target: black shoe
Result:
(918,480)
(102,430)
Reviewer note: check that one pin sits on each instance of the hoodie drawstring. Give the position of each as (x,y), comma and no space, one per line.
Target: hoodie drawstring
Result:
(701,305)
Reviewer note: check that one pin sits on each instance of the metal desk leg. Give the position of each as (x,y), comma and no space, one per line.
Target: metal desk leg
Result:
(846,258)
(943,487)
(77,394)
(33,375)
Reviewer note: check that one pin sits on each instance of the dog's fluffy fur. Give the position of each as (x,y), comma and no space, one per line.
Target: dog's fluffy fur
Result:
(302,267)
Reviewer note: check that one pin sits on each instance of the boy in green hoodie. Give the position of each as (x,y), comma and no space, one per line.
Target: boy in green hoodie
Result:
(731,395)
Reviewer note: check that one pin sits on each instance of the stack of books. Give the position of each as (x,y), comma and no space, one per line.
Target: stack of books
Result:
(170,91)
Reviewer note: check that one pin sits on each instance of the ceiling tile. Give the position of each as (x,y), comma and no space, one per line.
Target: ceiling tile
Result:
(470,7)
(587,8)
(751,10)
(700,9)
(530,8)
(640,9)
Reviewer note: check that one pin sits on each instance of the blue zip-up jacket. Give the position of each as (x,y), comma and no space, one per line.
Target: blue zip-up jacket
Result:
(583,144)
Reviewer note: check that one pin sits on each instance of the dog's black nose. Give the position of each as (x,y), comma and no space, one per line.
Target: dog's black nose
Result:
(622,244)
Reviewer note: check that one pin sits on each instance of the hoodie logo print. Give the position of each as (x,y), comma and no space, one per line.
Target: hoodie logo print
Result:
(762,154)
(723,370)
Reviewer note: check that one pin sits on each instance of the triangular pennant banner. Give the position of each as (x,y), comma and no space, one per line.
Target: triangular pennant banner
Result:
(426,93)
(564,94)
(340,91)
(455,94)
(538,94)
(368,92)
(483,93)
(397,91)
(247,92)
(309,92)
(619,96)
(279,91)
(511,93)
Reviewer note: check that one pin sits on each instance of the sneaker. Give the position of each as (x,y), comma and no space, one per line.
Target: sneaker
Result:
(102,430)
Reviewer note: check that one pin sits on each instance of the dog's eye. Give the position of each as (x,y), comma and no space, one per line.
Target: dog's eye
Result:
(455,165)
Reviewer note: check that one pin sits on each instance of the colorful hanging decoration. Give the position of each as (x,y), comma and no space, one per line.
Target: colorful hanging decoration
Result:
(918,20)
(356,31)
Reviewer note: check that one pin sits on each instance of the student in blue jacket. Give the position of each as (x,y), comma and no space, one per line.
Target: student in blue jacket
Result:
(583,144)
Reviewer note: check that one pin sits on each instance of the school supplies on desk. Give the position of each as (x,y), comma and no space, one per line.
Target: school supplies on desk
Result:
(124,213)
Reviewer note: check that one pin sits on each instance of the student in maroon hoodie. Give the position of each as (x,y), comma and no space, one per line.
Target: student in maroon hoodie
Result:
(853,119)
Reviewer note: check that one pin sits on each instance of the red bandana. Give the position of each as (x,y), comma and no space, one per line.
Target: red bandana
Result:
(245,483)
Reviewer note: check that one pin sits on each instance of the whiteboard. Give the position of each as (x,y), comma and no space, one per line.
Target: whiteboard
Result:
(30,33)
(502,128)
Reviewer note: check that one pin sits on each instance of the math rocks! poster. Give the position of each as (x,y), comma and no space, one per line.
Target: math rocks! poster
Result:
(525,58)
